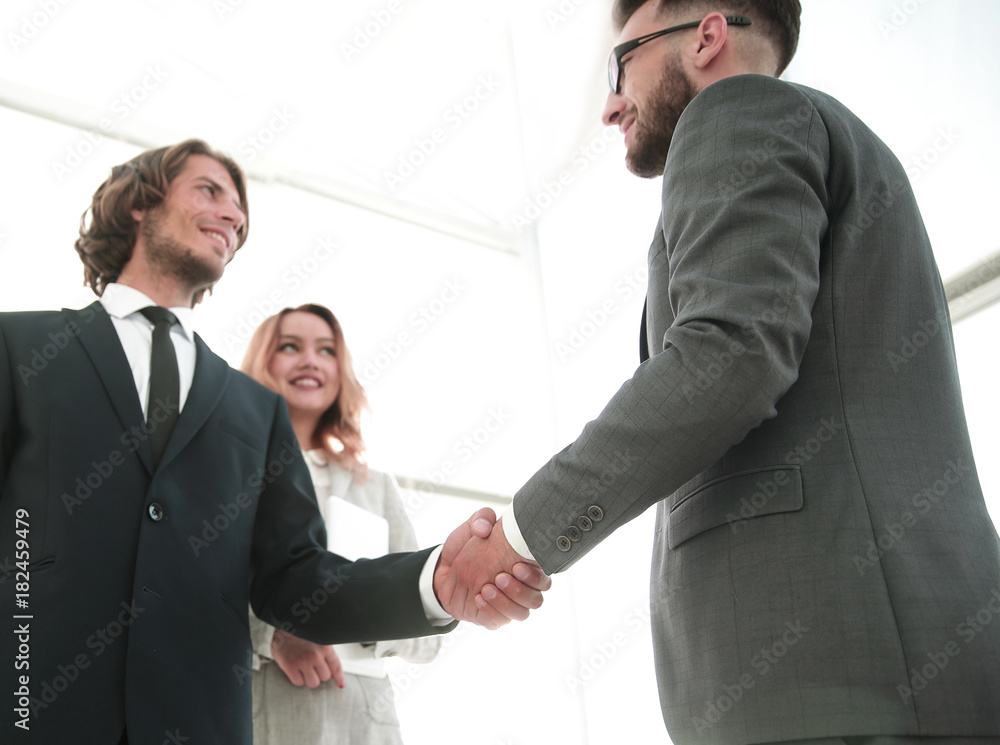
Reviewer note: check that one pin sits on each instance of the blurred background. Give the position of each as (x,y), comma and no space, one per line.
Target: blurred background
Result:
(436,172)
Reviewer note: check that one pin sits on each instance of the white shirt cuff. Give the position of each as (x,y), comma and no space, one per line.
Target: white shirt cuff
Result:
(436,614)
(508,525)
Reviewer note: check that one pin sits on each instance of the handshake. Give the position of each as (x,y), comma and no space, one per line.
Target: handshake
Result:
(480,578)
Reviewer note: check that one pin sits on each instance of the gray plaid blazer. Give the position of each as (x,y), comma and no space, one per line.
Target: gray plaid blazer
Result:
(824,563)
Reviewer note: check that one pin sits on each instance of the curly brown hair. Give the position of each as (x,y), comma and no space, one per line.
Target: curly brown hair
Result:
(107,239)
(778,20)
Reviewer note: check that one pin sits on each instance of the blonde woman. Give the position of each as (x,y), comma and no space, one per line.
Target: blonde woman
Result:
(306,693)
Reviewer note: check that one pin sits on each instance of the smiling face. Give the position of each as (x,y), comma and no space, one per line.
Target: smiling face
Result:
(192,235)
(304,366)
(655,90)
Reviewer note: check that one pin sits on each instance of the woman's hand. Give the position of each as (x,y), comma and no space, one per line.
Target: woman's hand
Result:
(304,662)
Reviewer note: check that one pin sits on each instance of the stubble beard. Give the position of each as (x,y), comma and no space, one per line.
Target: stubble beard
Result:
(653,132)
(173,259)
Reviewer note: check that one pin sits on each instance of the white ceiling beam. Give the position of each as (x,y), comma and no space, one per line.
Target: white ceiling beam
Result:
(974,289)
(146,135)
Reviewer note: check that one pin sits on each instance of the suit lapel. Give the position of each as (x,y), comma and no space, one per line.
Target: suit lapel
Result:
(211,376)
(100,341)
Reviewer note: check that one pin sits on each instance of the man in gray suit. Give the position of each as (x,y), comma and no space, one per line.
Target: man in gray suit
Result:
(824,565)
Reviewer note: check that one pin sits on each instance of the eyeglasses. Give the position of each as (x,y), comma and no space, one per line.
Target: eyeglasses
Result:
(615,61)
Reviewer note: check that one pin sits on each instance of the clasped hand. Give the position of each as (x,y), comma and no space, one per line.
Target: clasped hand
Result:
(480,578)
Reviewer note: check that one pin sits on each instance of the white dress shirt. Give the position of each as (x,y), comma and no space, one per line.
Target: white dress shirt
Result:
(135,332)
(508,525)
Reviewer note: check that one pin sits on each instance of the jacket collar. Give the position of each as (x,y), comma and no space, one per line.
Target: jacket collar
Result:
(97,335)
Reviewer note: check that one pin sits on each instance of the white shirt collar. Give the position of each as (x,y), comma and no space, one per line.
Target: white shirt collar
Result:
(317,456)
(121,301)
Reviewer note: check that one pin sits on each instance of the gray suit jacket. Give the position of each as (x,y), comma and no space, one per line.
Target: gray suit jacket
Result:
(824,563)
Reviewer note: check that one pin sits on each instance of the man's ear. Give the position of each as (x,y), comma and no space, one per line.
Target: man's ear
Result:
(138,215)
(712,35)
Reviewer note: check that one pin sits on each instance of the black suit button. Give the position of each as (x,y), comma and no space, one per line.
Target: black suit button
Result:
(155,512)
(595,513)
(584,523)
(573,533)
(563,543)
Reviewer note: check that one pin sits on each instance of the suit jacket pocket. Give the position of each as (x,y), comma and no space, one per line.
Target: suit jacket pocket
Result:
(735,498)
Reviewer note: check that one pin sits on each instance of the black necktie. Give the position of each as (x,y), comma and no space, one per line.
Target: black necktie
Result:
(164,382)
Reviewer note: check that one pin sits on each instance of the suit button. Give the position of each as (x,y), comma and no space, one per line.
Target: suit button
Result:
(155,512)
(584,523)
(563,543)
(573,533)
(595,513)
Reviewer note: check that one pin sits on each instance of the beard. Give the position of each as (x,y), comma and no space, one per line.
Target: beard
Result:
(653,130)
(172,258)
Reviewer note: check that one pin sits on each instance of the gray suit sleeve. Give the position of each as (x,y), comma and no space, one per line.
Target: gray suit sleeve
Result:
(737,271)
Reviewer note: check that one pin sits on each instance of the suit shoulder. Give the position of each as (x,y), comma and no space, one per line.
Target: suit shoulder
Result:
(239,383)
(33,322)
(28,318)
(759,97)
(251,390)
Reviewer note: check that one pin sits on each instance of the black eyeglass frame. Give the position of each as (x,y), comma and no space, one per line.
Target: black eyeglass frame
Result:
(615,60)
